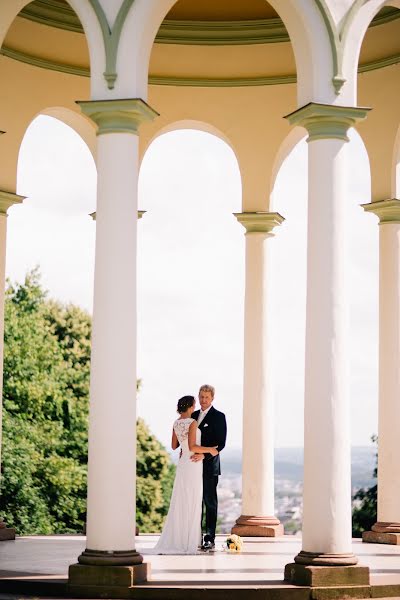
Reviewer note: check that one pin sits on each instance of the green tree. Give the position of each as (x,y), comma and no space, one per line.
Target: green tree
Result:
(45,407)
(45,422)
(365,511)
(155,477)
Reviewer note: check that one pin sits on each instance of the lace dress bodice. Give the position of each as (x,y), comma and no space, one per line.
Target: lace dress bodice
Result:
(181,428)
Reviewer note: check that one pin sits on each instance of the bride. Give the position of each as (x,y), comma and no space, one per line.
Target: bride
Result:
(182,529)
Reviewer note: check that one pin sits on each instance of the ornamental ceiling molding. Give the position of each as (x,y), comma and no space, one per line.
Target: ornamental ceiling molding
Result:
(209,33)
(111,37)
(168,80)
(336,43)
(47,13)
(338,35)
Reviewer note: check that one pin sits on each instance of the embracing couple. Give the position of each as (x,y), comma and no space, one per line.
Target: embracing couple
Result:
(201,435)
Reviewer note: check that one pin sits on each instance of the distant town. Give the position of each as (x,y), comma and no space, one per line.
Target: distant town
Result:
(288,484)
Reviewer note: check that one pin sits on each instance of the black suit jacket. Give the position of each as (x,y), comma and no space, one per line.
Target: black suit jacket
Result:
(213,433)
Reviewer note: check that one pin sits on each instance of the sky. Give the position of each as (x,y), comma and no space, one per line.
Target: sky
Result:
(191,269)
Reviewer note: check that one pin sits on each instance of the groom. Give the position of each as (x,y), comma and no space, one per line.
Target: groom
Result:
(212,425)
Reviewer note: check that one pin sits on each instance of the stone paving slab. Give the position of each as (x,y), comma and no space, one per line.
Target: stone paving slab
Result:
(255,573)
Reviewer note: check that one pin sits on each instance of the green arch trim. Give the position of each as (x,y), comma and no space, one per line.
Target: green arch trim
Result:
(111,37)
(187,81)
(336,45)
(337,37)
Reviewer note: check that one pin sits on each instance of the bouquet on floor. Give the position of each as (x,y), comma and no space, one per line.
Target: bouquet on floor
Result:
(234,543)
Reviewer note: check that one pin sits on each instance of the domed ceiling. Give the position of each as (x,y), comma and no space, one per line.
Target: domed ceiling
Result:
(221,10)
(227,42)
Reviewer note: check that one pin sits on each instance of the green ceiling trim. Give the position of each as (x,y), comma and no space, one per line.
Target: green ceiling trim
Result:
(380,63)
(336,45)
(44,63)
(111,37)
(7,199)
(46,13)
(222,33)
(391,15)
(212,33)
(221,82)
(186,81)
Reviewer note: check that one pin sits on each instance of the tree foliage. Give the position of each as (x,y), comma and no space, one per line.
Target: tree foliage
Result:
(155,476)
(365,509)
(45,420)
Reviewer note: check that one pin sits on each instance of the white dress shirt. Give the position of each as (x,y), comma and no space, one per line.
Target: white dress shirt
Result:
(202,415)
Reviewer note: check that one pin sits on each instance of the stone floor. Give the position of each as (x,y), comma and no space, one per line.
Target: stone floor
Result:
(261,564)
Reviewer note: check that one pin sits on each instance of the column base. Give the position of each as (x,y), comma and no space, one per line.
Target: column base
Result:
(107,574)
(329,576)
(249,526)
(6,533)
(383,533)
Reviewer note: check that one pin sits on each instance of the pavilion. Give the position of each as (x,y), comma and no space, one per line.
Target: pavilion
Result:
(260,75)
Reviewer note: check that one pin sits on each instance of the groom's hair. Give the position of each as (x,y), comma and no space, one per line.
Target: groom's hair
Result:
(207,388)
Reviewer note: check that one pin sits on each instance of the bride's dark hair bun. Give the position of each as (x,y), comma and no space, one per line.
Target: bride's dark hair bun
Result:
(184,403)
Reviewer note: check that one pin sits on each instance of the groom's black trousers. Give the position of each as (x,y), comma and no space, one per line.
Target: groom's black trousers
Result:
(210,505)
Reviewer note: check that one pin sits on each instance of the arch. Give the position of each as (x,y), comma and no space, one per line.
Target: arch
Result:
(68,117)
(304,22)
(195,125)
(190,124)
(354,29)
(9,10)
(73,125)
(291,140)
(83,127)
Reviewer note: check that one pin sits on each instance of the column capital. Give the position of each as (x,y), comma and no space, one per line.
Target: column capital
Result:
(327,121)
(388,210)
(7,199)
(259,222)
(118,116)
(140,214)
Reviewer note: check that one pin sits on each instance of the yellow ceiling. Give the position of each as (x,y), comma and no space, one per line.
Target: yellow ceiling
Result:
(58,45)
(221,10)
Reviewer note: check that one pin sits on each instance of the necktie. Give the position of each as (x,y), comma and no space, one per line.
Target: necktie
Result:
(201,417)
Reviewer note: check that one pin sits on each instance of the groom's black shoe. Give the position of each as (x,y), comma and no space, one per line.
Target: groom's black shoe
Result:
(208,543)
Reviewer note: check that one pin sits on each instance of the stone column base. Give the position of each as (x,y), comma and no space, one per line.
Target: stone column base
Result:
(107,574)
(383,533)
(6,533)
(248,526)
(91,581)
(329,576)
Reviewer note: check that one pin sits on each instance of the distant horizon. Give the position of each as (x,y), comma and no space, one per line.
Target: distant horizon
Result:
(239,448)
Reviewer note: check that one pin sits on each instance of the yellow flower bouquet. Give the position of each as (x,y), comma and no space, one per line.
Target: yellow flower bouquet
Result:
(234,543)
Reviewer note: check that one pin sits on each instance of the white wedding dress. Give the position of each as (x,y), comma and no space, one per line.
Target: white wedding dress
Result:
(182,529)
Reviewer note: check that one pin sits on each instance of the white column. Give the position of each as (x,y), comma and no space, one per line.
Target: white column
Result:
(258,506)
(112,419)
(327,462)
(7,199)
(387,528)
